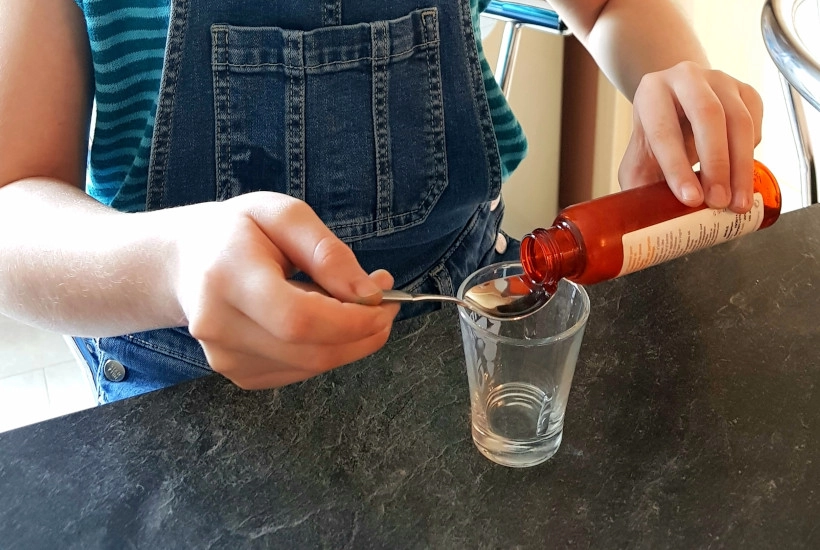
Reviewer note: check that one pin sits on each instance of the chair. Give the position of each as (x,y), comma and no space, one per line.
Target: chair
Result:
(799,75)
(536,14)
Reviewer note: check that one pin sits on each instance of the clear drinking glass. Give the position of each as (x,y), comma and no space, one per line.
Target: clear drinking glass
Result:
(520,372)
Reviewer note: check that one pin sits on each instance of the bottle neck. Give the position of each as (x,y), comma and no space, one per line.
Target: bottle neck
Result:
(549,255)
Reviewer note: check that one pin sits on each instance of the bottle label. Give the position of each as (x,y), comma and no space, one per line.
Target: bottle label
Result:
(674,238)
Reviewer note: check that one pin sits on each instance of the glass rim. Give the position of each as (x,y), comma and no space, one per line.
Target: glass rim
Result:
(569,332)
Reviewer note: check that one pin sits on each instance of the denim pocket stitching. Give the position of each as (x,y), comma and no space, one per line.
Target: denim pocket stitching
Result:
(481,103)
(381,134)
(285,66)
(160,140)
(332,13)
(429,185)
(222,115)
(295,117)
(437,179)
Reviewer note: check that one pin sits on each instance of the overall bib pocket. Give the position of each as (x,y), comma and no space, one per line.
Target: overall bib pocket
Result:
(348,118)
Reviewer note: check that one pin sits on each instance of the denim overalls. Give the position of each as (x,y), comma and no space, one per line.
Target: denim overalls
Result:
(373,112)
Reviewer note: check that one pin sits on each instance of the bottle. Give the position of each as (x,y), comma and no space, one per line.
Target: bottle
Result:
(634,229)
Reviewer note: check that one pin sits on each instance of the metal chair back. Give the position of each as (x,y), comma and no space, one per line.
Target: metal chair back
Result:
(799,75)
(536,14)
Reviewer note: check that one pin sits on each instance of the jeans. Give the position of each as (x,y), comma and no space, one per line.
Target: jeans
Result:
(374,113)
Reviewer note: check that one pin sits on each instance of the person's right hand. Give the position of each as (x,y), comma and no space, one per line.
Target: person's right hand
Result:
(257,327)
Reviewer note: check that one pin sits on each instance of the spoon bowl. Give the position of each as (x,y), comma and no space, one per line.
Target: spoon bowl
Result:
(505,299)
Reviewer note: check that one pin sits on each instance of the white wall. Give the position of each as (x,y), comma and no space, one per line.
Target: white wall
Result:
(531,194)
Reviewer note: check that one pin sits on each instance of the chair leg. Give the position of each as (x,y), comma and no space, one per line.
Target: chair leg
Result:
(506,55)
(802,139)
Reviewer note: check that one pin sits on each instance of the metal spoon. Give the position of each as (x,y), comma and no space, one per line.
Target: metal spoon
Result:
(505,299)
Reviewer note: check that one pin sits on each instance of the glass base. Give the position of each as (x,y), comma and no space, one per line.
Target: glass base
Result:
(517,454)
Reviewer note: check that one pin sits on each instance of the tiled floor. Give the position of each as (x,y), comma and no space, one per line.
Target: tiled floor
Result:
(40,378)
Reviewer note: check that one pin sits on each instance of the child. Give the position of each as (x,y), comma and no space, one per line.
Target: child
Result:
(260,171)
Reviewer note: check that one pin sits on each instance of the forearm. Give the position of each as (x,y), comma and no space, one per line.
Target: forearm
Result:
(70,264)
(629,38)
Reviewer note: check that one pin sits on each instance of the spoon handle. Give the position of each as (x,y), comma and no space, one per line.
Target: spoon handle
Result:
(401,296)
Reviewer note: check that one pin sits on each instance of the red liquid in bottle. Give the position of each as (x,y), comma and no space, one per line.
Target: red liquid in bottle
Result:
(627,231)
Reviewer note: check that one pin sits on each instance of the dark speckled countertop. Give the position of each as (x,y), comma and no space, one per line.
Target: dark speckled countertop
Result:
(693,422)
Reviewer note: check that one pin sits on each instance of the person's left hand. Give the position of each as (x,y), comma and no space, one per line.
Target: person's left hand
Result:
(688,114)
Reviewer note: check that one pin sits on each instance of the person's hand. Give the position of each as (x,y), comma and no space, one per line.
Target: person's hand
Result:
(257,327)
(688,114)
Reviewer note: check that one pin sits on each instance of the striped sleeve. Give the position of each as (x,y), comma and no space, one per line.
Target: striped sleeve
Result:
(128,45)
(512,143)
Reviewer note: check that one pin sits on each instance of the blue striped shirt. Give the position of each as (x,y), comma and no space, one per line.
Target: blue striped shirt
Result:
(127,46)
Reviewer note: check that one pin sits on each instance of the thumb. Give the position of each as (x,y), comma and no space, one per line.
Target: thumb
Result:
(383,278)
(295,229)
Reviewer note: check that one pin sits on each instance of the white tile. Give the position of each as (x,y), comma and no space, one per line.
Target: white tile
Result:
(80,360)
(68,388)
(23,399)
(24,348)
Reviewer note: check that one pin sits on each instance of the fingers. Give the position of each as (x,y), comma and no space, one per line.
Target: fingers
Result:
(744,120)
(293,363)
(688,114)
(303,238)
(728,176)
(658,118)
(383,279)
(752,100)
(705,113)
(301,313)
(741,130)
(300,343)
